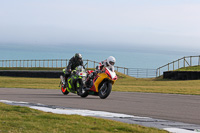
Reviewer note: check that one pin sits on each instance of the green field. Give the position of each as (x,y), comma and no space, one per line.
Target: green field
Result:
(16,119)
(124,83)
(192,68)
(158,85)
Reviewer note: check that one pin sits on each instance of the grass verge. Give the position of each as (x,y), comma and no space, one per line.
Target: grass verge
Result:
(158,85)
(124,83)
(16,119)
(190,68)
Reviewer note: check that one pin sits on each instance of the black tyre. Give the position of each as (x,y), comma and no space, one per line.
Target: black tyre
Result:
(105,89)
(64,90)
(82,92)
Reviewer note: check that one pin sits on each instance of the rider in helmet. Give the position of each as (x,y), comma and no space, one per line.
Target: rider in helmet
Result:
(75,61)
(109,63)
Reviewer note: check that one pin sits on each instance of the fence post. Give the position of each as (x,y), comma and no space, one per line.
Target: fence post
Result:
(156,72)
(159,71)
(173,65)
(87,63)
(184,61)
(168,66)
(199,60)
(178,64)
(43,63)
(127,71)
(190,60)
(56,63)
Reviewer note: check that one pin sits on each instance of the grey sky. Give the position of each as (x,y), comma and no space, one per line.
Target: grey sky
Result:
(145,23)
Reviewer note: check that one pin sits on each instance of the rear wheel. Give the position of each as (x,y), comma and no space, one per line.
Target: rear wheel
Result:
(105,89)
(64,90)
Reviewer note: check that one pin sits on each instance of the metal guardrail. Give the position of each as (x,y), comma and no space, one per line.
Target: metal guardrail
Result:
(52,63)
(61,63)
(142,72)
(49,63)
(180,63)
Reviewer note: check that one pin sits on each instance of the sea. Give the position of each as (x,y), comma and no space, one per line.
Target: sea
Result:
(130,57)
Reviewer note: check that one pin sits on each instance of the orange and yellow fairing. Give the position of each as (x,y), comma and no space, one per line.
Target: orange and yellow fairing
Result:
(110,75)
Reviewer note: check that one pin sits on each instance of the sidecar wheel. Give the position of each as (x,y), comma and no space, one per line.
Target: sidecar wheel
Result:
(64,90)
(104,90)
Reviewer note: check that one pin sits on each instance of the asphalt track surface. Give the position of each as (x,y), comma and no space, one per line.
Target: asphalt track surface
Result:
(181,108)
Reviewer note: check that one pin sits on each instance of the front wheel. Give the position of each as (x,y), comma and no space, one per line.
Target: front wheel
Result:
(82,92)
(105,89)
(64,90)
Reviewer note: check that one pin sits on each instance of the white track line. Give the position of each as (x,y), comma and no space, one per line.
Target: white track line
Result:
(91,113)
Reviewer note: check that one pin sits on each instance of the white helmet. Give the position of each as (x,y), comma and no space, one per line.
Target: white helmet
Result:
(111,60)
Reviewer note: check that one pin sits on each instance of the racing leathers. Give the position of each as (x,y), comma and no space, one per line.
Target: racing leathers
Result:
(73,63)
(100,68)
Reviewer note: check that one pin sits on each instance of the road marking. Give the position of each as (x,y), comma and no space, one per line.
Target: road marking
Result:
(173,127)
(178,130)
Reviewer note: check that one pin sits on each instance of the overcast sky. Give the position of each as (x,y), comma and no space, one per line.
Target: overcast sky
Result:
(144,23)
